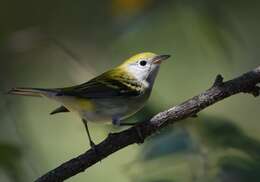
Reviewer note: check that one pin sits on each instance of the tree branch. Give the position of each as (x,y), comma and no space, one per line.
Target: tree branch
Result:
(246,83)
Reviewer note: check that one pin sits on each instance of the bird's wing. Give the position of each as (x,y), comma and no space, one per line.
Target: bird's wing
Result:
(104,86)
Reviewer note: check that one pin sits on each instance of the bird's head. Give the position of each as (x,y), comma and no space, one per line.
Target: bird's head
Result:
(144,66)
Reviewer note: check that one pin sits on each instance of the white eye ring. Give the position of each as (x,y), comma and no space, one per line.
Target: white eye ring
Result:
(142,63)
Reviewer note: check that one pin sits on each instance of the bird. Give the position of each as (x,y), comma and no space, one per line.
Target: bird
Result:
(110,97)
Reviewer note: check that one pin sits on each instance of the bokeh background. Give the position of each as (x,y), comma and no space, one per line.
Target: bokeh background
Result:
(55,43)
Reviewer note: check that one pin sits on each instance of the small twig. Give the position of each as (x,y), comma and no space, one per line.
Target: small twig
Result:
(218,81)
(220,90)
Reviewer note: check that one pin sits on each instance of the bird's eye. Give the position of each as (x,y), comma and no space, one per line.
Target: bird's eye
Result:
(143,63)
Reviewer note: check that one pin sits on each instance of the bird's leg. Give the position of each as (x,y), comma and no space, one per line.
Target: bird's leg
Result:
(91,143)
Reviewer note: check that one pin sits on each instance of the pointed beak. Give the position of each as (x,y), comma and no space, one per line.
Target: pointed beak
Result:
(160,58)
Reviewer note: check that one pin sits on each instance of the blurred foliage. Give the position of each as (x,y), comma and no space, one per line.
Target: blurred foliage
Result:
(9,159)
(61,43)
(209,149)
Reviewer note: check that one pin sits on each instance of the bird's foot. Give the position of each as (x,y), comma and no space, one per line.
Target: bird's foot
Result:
(116,122)
(93,146)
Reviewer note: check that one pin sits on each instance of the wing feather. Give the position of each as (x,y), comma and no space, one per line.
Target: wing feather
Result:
(104,86)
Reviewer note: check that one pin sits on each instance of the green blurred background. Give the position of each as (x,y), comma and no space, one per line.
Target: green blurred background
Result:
(55,43)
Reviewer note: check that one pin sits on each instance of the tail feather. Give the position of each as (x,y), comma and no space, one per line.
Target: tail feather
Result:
(59,109)
(35,92)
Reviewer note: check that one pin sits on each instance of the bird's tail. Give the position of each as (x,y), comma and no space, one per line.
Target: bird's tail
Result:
(35,92)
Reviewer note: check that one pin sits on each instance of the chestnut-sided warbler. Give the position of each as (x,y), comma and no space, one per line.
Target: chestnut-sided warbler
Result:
(112,96)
